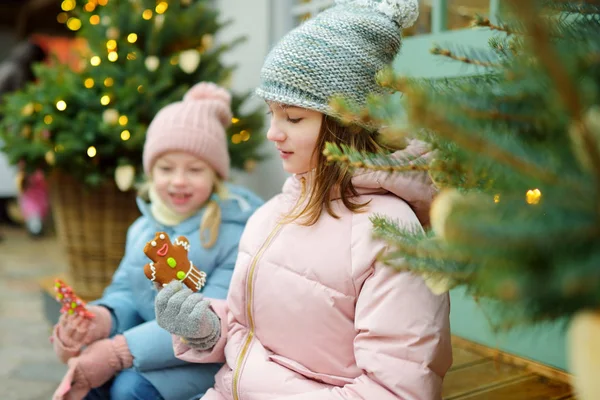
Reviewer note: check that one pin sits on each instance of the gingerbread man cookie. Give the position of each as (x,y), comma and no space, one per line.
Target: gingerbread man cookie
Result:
(170,262)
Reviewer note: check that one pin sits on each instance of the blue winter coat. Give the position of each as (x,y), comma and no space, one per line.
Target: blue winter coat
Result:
(130,296)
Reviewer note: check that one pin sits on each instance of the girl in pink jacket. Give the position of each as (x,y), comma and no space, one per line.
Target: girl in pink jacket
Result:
(311,314)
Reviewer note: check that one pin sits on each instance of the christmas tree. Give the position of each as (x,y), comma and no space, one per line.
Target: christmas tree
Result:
(140,55)
(517,162)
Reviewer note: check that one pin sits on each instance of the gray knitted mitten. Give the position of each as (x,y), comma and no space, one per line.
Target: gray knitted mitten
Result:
(187,314)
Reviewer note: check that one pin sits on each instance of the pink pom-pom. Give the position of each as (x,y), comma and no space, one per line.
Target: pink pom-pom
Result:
(208,91)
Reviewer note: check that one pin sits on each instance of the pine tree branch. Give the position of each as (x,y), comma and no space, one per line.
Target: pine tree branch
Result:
(558,73)
(432,118)
(483,22)
(436,50)
(370,161)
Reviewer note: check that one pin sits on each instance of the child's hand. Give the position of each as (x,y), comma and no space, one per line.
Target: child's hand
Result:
(184,313)
(96,365)
(72,332)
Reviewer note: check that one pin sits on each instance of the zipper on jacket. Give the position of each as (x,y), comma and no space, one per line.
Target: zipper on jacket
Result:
(250,296)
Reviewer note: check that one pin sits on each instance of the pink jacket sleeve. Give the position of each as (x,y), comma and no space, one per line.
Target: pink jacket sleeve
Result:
(217,353)
(403,341)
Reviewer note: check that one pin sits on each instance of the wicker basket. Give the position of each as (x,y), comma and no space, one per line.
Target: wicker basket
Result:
(92,226)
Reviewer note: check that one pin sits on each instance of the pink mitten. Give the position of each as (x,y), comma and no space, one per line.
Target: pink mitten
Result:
(96,365)
(72,332)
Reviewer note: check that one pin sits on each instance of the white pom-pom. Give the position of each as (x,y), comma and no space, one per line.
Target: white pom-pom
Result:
(402,12)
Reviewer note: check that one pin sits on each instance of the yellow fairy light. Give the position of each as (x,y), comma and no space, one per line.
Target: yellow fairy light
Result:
(123,120)
(28,109)
(533,196)
(91,151)
(88,83)
(95,61)
(62,17)
(102,2)
(132,37)
(111,44)
(147,14)
(89,7)
(108,82)
(113,56)
(131,56)
(61,105)
(497,198)
(161,7)
(235,120)
(105,100)
(125,135)
(68,5)
(95,19)
(48,119)
(236,139)
(245,135)
(140,89)
(74,24)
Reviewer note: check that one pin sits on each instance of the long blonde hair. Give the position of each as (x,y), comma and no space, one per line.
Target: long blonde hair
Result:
(211,220)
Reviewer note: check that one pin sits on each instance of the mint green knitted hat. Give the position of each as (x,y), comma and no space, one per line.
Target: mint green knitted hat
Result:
(336,53)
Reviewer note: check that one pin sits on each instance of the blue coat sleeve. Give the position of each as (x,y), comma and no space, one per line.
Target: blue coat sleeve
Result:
(153,354)
(118,296)
(217,283)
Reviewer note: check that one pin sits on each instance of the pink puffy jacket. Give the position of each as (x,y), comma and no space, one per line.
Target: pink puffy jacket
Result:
(311,315)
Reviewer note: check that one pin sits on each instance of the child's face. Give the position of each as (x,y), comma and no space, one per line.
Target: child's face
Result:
(183,181)
(295,132)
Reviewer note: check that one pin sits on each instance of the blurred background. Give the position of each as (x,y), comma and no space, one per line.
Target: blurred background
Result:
(73,152)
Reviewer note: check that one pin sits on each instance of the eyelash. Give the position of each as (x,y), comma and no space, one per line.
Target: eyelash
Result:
(291,120)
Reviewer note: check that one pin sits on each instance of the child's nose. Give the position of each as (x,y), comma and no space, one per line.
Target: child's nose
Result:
(275,134)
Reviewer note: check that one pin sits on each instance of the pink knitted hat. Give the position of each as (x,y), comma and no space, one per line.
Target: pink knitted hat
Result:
(195,125)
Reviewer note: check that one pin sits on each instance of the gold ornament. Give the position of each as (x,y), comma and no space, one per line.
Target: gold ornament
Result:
(533,196)
(189,60)
(110,116)
(49,157)
(124,177)
(152,63)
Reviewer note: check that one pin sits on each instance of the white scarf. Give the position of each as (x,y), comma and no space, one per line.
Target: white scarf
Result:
(162,213)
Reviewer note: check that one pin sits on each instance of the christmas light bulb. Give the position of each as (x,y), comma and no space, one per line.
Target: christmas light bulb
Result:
(132,37)
(111,44)
(108,82)
(74,24)
(533,196)
(113,56)
(123,120)
(105,100)
(235,120)
(48,119)
(91,151)
(147,14)
(88,83)
(95,61)
(125,135)
(68,5)
(95,19)
(161,7)
(61,105)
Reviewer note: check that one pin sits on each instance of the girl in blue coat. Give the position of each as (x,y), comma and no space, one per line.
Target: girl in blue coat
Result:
(122,353)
